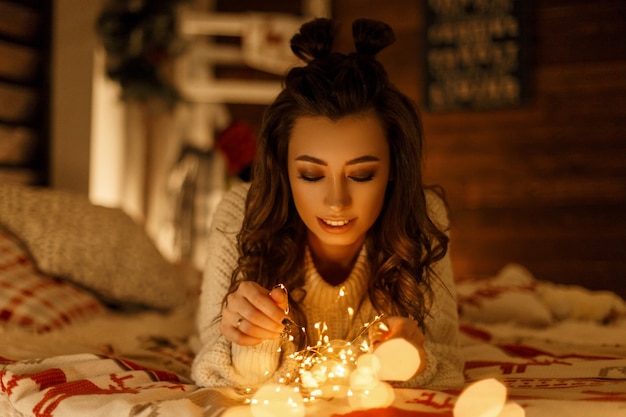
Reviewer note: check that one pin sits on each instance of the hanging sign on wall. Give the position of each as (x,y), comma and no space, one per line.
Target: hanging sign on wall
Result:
(476,54)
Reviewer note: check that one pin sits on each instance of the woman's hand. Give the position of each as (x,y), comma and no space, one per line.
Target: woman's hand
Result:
(253,314)
(400,327)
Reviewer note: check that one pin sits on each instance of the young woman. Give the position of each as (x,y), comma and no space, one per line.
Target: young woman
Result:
(335,212)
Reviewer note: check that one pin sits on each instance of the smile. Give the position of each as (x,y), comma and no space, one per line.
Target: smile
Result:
(336,223)
(336,226)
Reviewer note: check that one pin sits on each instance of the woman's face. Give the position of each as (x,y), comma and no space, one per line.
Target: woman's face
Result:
(338,173)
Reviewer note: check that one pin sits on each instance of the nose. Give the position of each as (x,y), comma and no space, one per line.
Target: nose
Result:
(337,194)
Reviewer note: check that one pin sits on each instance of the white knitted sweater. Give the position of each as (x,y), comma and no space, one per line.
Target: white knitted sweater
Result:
(222,363)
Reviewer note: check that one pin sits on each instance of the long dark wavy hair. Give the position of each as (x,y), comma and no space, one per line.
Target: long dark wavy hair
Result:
(403,243)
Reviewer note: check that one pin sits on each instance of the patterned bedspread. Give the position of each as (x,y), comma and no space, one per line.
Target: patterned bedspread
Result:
(573,368)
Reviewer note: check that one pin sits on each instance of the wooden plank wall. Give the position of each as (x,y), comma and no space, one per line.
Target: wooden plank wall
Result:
(25,28)
(543,185)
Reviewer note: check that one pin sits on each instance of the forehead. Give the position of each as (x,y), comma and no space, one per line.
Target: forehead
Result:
(352,135)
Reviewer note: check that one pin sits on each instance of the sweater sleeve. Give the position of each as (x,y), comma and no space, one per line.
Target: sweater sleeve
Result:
(220,362)
(444,361)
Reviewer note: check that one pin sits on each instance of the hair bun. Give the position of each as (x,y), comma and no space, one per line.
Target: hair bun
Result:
(371,36)
(314,40)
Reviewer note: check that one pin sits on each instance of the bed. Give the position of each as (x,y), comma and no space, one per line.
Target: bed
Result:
(95,322)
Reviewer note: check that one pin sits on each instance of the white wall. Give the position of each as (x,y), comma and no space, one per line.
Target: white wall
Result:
(107,150)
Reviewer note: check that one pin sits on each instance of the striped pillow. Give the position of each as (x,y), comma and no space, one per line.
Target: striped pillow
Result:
(35,301)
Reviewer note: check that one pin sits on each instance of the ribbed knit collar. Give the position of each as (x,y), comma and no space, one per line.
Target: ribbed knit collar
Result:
(338,305)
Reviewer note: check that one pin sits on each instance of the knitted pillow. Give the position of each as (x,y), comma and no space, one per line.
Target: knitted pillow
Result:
(32,300)
(98,248)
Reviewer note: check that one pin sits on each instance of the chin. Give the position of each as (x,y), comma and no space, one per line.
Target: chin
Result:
(339,240)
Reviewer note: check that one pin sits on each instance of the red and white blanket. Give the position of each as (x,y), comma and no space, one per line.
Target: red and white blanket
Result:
(139,366)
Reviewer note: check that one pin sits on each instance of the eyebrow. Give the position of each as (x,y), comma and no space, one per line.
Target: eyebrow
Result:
(359,160)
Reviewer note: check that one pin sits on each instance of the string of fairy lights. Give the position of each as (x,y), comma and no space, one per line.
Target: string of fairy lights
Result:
(339,369)
(326,369)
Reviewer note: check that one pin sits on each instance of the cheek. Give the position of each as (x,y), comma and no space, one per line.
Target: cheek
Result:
(373,197)
(303,199)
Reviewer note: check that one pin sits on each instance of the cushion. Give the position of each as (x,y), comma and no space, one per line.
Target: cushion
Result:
(37,302)
(511,296)
(578,303)
(98,248)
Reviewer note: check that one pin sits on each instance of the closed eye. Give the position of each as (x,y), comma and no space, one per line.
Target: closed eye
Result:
(362,178)
(310,177)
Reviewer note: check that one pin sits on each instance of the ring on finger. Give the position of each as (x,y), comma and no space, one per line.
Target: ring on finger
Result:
(239,321)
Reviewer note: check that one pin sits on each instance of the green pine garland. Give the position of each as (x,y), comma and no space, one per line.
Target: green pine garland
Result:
(140,39)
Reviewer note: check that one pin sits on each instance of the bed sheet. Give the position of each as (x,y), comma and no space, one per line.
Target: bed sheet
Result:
(572,368)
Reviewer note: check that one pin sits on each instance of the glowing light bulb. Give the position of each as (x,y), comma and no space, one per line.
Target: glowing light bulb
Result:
(326,368)
(399,360)
(275,400)
(366,390)
(484,398)
(381,395)
(362,379)
(512,409)
(370,362)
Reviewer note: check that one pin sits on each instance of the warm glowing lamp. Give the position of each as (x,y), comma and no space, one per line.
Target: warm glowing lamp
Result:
(381,395)
(399,360)
(512,409)
(485,398)
(365,376)
(366,390)
(368,361)
(273,400)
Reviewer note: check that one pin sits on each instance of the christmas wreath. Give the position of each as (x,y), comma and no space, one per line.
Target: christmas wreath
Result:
(140,40)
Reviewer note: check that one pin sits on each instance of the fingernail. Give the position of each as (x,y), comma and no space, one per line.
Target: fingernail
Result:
(280,286)
(284,290)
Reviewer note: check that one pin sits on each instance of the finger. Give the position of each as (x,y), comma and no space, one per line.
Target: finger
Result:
(254,323)
(406,328)
(242,325)
(239,330)
(234,335)
(378,332)
(260,308)
(280,297)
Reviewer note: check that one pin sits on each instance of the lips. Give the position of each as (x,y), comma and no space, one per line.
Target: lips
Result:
(336,222)
(335,225)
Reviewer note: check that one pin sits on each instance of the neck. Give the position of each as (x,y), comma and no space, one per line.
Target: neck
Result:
(334,263)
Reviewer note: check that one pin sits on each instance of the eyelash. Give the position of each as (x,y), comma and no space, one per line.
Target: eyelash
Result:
(363,178)
(309,178)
